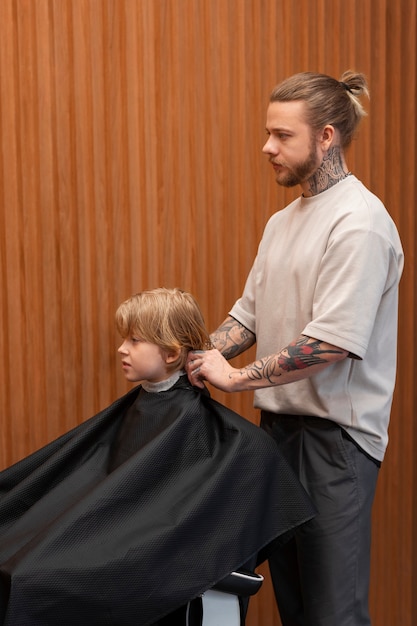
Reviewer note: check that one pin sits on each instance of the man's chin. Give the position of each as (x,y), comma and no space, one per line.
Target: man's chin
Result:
(287,181)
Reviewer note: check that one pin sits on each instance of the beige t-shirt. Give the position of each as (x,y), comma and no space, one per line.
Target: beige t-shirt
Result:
(328,267)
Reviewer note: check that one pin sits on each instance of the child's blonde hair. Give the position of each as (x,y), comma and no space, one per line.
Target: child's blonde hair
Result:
(169,318)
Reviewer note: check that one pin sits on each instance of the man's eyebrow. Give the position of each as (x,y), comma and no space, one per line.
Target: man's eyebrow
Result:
(278,129)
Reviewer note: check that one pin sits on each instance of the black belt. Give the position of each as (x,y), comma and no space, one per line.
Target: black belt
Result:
(269,418)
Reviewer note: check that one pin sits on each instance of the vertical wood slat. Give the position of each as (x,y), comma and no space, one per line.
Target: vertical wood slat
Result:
(130,157)
(10,222)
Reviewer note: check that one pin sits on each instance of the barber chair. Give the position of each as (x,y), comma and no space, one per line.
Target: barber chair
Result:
(226,603)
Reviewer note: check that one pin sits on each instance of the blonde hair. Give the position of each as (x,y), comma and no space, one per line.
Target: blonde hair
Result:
(328,100)
(169,318)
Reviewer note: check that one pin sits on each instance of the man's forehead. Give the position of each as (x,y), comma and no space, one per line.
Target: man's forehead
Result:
(285,114)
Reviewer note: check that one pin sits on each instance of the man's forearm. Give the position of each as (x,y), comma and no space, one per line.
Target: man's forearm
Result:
(232,338)
(300,359)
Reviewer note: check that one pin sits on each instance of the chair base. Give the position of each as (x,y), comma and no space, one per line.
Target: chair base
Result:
(220,608)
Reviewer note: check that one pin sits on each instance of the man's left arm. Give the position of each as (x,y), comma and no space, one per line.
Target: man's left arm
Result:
(302,358)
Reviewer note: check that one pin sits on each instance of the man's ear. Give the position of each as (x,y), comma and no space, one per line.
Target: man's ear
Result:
(326,137)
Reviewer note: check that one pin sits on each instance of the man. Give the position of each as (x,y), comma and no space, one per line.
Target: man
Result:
(321,304)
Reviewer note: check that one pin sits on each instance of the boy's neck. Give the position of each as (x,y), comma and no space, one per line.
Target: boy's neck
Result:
(162,385)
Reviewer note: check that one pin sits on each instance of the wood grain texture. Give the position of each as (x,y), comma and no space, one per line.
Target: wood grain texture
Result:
(130,157)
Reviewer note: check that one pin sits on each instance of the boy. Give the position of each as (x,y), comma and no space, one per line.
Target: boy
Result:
(149,503)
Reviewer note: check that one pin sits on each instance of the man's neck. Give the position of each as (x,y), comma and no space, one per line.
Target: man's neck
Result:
(331,171)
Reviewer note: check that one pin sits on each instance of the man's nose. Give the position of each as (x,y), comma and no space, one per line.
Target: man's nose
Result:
(269,147)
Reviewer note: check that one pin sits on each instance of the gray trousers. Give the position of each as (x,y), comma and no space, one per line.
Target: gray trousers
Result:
(321,576)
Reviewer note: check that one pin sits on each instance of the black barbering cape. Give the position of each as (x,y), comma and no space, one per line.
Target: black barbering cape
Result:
(81,545)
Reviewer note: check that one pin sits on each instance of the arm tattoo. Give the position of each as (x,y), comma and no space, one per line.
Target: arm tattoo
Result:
(302,353)
(232,338)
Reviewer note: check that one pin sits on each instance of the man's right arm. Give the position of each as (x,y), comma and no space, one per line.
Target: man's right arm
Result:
(232,338)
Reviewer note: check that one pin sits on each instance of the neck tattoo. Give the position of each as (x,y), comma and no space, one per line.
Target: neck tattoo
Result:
(329,173)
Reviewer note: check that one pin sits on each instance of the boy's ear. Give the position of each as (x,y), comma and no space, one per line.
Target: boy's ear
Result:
(172,356)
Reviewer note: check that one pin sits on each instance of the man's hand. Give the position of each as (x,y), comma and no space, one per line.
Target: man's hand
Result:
(212,366)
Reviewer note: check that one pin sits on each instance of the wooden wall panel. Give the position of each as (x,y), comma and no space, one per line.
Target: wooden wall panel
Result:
(130,157)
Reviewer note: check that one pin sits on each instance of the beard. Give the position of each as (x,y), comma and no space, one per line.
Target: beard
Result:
(300,172)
